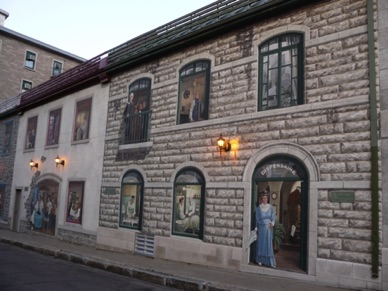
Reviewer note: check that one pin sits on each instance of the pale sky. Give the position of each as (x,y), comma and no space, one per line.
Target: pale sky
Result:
(88,28)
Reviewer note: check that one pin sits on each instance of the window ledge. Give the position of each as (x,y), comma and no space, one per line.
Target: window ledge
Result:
(124,147)
(81,141)
(134,151)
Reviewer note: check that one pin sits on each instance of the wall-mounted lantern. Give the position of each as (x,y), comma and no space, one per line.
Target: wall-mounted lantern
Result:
(223,144)
(33,164)
(58,161)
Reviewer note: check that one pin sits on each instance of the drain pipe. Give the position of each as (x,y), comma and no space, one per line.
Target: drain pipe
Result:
(374,147)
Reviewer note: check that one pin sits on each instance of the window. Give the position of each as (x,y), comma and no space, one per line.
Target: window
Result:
(26,85)
(30,60)
(74,202)
(193,92)
(7,138)
(82,120)
(281,76)
(131,201)
(137,113)
(54,123)
(57,68)
(189,189)
(31,132)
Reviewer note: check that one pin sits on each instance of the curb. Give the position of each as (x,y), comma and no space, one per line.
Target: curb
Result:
(184,283)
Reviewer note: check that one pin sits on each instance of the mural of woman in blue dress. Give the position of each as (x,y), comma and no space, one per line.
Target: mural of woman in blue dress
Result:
(265,220)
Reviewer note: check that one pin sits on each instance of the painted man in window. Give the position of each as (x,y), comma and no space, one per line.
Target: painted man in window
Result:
(194,109)
(82,128)
(128,119)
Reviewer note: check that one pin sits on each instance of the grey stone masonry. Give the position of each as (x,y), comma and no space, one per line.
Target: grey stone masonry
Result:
(7,160)
(332,124)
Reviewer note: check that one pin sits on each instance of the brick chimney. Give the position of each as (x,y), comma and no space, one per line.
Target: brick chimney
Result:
(3,16)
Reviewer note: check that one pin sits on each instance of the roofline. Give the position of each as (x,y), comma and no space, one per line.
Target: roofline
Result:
(30,40)
(216,18)
(5,13)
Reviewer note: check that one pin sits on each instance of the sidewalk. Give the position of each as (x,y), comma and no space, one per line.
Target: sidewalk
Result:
(170,273)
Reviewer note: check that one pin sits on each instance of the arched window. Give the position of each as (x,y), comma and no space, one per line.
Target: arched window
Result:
(137,112)
(131,200)
(189,200)
(281,72)
(193,92)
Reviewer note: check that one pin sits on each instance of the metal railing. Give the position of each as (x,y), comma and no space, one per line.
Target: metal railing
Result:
(185,27)
(136,127)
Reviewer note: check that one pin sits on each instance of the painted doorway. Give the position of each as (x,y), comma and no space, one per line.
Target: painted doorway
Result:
(44,207)
(286,180)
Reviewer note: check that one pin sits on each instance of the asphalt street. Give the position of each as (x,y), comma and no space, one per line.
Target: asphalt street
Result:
(23,269)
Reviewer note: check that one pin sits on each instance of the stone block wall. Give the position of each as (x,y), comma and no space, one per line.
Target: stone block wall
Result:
(12,71)
(332,124)
(6,168)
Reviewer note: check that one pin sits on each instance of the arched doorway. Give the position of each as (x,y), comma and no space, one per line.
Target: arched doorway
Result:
(44,205)
(286,179)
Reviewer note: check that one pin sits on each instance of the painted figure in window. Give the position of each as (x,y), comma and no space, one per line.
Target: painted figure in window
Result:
(187,220)
(265,220)
(142,120)
(75,211)
(37,213)
(194,109)
(128,118)
(191,214)
(293,203)
(82,130)
(182,222)
(30,140)
(131,209)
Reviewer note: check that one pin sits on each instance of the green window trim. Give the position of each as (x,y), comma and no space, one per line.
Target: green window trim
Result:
(131,200)
(193,96)
(281,72)
(188,203)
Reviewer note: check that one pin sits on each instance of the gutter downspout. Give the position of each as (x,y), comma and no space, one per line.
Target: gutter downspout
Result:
(374,143)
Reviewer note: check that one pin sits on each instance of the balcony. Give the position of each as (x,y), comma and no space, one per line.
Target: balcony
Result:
(134,140)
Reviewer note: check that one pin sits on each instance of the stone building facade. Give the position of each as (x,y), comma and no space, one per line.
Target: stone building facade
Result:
(15,49)
(327,135)
(295,91)
(8,132)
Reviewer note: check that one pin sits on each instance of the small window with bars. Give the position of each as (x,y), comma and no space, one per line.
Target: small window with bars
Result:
(26,85)
(57,68)
(30,60)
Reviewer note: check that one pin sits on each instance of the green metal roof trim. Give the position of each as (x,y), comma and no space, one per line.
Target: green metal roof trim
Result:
(213,18)
(218,17)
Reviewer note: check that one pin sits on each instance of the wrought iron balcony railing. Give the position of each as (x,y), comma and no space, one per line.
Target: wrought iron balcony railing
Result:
(136,127)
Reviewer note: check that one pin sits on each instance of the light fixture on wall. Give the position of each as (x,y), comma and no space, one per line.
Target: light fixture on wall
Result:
(223,144)
(58,161)
(33,164)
